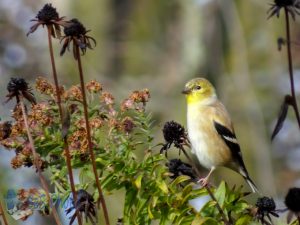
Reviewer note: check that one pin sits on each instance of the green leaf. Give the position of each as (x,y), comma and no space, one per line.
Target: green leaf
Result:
(244,220)
(130,198)
(239,207)
(149,212)
(163,186)
(101,162)
(180,179)
(106,183)
(138,181)
(204,221)
(141,206)
(154,201)
(220,193)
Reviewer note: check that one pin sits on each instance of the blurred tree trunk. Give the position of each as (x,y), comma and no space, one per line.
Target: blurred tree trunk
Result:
(214,42)
(121,11)
(171,65)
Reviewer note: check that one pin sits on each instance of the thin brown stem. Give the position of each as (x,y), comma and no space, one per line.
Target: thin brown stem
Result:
(226,221)
(290,62)
(54,71)
(89,138)
(2,213)
(36,162)
(66,146)
(71,178)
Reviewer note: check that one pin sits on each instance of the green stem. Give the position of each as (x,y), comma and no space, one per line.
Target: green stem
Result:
(89,138)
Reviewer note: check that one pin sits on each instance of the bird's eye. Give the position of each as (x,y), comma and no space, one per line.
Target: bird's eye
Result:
(198,87)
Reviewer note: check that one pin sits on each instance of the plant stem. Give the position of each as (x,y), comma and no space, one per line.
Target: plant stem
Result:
(290,62)
(3,215)
(36,162)
(226,221)
(66,146)
(54,71)
(89,138)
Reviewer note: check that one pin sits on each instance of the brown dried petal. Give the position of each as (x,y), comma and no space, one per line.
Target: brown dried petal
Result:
(114,123)
(128,124)
(78,140)
(96,123)
(22,194)
(5,130)
(27,151)
(127,104)
(74,93)
(9,143)
(18,128)
(107,98)
(17,113)
(16,162)
(145,95)
(40,115)
(136,96)
(93,86)
(44,86)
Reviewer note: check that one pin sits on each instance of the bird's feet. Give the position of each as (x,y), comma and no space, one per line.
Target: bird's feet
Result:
(203,182)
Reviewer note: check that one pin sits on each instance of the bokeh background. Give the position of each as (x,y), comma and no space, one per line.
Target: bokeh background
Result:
(161,44)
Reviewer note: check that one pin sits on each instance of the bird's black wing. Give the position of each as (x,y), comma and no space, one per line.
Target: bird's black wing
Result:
(230,139)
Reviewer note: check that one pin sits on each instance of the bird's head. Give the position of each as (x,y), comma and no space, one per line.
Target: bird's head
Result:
(199,90)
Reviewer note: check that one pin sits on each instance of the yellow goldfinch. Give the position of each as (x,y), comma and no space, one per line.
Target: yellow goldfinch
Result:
(211,132)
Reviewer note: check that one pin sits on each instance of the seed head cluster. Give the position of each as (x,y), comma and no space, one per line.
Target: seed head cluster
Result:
(75,28)
(292,200)
(265,204)
(174,133)
(47,13)
(17,87)
(177,168)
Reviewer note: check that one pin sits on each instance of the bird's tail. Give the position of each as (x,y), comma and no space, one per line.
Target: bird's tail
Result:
(244,173)
(251,184)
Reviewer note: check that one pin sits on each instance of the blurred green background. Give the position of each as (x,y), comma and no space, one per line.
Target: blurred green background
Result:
(161,44)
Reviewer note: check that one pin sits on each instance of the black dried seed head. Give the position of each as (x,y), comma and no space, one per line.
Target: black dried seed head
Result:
(85,204)
(173,132)
(265,204)
(17,85)
(18,150)
(177,168)
(28,163)
(120,221)
(283,3)
(291,6)
(83,196)
(5,130)
(75,28)
(47,13)
(292,200)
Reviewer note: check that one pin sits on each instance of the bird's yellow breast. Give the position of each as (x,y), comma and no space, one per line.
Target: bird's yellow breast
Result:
(196,97)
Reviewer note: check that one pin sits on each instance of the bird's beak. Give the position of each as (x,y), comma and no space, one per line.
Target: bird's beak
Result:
(186,91)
